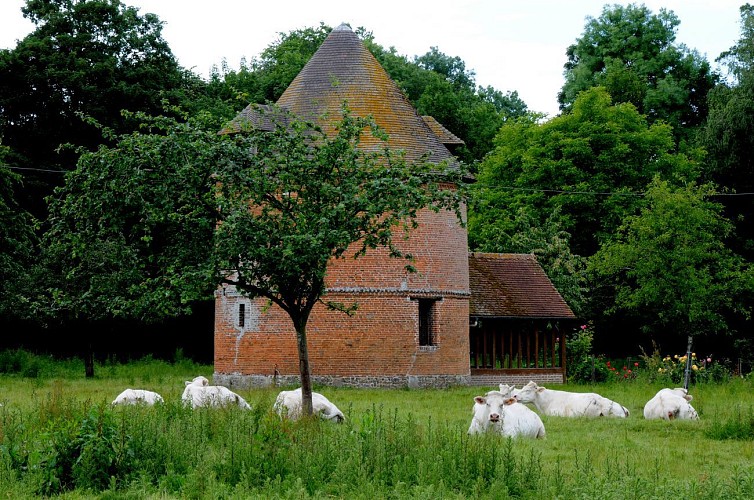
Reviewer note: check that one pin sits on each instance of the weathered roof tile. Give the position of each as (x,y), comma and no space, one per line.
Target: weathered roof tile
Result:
(343,69)
(513,286)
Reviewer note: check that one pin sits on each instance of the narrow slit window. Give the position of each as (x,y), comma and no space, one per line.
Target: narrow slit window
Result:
(426,322)
(241,315)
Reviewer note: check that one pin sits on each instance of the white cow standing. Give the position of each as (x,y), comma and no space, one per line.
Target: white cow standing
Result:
(496,411)
(569,404)
(670,404)
(289,404)
(137,396)
(198,393)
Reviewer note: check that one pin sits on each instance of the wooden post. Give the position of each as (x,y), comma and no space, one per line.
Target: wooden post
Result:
(510,348)
(688,364)
(494,348)
(552,343)
(528,350)
(536,346)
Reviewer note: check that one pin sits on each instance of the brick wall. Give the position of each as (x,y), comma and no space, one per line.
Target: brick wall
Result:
(379,344)
(517,380)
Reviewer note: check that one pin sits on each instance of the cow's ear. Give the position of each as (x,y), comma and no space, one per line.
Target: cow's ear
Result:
(480,400)
(540,389)
(509,401)
(688,397)
(187,382)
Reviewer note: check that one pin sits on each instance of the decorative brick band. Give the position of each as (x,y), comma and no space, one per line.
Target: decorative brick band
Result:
(239,381)
(413,292)
(517,380)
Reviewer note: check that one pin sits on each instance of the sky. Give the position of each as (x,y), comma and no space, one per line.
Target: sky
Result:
(511,45)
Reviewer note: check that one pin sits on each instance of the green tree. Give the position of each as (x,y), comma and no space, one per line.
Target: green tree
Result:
(145,226)
(314,197)
(84,57)
(632,53)
(728,135)
(130,232)
(17,241)
(588,164)
(669,264)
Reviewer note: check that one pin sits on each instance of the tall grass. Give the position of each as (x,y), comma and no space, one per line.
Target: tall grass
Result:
(60,437)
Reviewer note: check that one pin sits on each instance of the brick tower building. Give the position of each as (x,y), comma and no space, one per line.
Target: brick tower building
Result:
(410,329)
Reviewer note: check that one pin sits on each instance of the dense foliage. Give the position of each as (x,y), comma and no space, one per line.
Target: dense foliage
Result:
(632,53)
(129,234)
(91,58)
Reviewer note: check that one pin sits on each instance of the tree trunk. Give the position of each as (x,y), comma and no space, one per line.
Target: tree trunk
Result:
(303,366)
(88,329)
(89,359)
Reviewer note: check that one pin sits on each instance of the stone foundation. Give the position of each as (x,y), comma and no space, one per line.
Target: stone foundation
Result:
(239,381)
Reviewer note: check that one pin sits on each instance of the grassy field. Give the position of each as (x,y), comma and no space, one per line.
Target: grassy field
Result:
(59,437)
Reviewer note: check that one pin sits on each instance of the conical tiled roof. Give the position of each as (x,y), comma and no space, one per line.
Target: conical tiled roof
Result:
(343,69)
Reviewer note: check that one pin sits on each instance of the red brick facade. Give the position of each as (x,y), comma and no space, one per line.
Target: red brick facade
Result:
(379,345)
(410,328)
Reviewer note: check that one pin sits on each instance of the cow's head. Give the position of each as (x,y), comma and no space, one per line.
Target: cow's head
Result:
(528,392)
(508,390)
(489,409)
(199,381)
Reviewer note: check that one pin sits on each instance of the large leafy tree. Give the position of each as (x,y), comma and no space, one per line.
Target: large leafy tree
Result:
(17,240)
(588,164)
(670,267)
(316,198)
(84,57)
(728,135)
(130,232)
(632,53)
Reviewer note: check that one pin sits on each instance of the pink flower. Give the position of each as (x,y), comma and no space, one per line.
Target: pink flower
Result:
(709,360)
(583,327)
(636,364)
(629,371)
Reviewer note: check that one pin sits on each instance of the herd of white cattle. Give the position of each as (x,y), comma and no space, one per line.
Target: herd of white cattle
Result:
(199,394)
(503,411)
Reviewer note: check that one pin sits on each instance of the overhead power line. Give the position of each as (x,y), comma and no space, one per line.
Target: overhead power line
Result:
(594,193)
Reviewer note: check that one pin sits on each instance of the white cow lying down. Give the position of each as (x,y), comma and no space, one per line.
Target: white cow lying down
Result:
(569,404)
(288,403)
(670,404)
(199,393)
(137,396)
(495,411)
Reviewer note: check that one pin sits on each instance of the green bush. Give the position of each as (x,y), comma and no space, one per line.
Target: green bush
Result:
(583,365)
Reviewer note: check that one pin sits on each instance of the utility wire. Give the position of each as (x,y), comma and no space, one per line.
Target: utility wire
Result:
(595,193)
(38,169)
(508,188)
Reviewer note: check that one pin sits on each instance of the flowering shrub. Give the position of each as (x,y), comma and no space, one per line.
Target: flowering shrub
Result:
(671,369)
(583,365)
(625,373)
